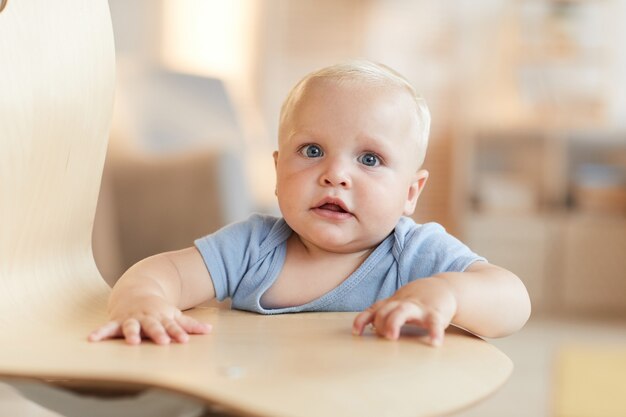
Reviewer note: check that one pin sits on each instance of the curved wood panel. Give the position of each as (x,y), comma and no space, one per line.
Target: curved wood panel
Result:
(56,84)
(56,95)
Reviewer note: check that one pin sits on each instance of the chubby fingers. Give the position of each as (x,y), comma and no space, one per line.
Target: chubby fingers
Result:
(193,326)
(183,326)
(161,331)
(376,315)
(392,316)
(108,331)
(436,329)
(389,316)
(364,318)
(153,329)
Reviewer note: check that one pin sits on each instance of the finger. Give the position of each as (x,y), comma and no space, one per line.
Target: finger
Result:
(436,329)
(361,320)
(154,330)
(131,330)
(193,326)
(380,319)
(405,312)
(365,317)
(175,331)
(436,338)
(108,331)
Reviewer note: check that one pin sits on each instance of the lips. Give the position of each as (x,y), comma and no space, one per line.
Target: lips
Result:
(332,208)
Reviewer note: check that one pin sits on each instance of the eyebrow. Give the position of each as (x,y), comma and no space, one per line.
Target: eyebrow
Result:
(364,141)
(373,141)
(304,132)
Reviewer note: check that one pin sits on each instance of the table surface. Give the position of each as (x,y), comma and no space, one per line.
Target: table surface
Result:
(306,364)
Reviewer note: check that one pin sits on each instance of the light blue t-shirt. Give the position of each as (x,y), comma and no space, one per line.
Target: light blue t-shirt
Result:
(245,259)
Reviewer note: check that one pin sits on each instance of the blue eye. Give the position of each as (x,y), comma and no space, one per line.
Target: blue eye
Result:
(369,159)
(311,151)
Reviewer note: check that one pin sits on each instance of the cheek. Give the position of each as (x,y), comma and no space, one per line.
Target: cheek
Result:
(385,198)
(290,186)
(283,175)
(286,177)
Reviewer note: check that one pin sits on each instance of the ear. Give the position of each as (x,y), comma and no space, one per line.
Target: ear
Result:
(275,156)
(415,189)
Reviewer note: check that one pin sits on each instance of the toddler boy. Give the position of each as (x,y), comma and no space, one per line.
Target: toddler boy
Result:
(352,139)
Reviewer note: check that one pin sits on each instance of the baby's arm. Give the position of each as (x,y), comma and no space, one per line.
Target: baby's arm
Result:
(149,297)
(485,299)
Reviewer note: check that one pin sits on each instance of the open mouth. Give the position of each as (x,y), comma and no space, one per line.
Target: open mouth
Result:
(332,207)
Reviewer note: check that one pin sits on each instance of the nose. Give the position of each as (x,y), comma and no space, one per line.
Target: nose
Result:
(335,174)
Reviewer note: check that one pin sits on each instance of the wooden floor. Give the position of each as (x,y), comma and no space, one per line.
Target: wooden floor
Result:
(529,392)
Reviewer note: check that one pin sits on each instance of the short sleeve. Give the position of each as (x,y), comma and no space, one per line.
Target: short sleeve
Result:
(425,250)
(229,252)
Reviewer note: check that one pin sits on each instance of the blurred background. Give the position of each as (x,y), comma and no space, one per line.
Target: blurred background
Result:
(527,154)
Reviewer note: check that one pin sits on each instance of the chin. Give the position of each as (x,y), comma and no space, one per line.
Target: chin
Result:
(339,243)
(335,242)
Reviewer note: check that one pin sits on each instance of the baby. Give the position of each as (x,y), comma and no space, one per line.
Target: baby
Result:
(352,139)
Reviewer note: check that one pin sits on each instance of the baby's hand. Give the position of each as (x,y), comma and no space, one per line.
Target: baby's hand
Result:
(150,317)
(428,303)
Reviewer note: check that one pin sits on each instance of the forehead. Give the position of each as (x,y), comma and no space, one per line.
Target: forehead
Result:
(356,104)
(332,89)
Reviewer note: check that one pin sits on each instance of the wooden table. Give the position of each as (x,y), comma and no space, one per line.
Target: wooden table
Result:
(296,365)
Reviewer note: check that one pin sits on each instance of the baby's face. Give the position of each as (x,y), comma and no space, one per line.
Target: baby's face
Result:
(346,166)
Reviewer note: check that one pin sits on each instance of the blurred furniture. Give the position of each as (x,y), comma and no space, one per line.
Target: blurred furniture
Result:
(150,204)
(174,169)
(542,174)
(160,111)
(548,205)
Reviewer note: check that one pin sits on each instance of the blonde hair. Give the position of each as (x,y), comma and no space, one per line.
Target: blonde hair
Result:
(370,72)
